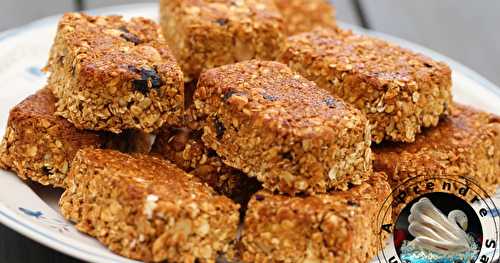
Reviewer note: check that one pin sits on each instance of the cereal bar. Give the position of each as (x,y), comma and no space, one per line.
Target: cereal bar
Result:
(145,208)
(39,145)
(400,91)
(305,15)
(205,34)
(342,226)
(111,74)
(273,124)
(467,143)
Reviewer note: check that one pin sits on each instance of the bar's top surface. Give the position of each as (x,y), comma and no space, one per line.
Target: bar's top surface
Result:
(272,95)
(222,12)
(143,174)
(455,133)
(109,46)
(376,61)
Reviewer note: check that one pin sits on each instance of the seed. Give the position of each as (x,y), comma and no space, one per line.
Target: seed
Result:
(332,174)
(415,97)
(65,167)
(32,151)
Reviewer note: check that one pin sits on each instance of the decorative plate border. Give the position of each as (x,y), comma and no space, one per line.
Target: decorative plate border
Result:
(21,225)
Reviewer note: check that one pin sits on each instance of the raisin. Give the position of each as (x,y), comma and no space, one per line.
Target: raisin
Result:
(222,21)
(427,65)
(131,38)
(259,197)
(211,153)
(149,79)
(270,97)
(219,128)
(141,85)
(151,74)
(330,102)
(287,155)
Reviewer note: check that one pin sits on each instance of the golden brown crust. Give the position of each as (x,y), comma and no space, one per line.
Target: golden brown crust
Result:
(145,208)
(305,15)
(467,143)
(337,227)
(400,91)
(273,124)
(110,74)
(39,145)
(205,34)
(184,148)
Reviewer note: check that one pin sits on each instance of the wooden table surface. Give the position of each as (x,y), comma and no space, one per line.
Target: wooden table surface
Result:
(451,27)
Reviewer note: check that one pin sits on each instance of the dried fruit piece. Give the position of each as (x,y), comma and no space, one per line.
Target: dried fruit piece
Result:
(219,128)
(149,80)
(131,38)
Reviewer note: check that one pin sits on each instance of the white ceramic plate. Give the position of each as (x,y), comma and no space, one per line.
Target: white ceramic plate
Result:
(32,210)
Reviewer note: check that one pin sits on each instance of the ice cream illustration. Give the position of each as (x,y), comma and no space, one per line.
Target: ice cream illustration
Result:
(437,236)
(436,232)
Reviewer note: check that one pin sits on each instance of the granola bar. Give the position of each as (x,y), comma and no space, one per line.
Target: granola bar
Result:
(273,124)
(336,227)
(400,91)
(305,15)
(111,74)
(205,34)
(145,208)
(39,145)
(184,148)
(465,144)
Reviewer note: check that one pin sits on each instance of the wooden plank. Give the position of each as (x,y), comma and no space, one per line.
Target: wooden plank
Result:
(460,29)
(90,4)
(20,12)
(345,11)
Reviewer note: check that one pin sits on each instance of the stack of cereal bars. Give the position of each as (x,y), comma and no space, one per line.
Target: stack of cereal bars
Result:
(239,128)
